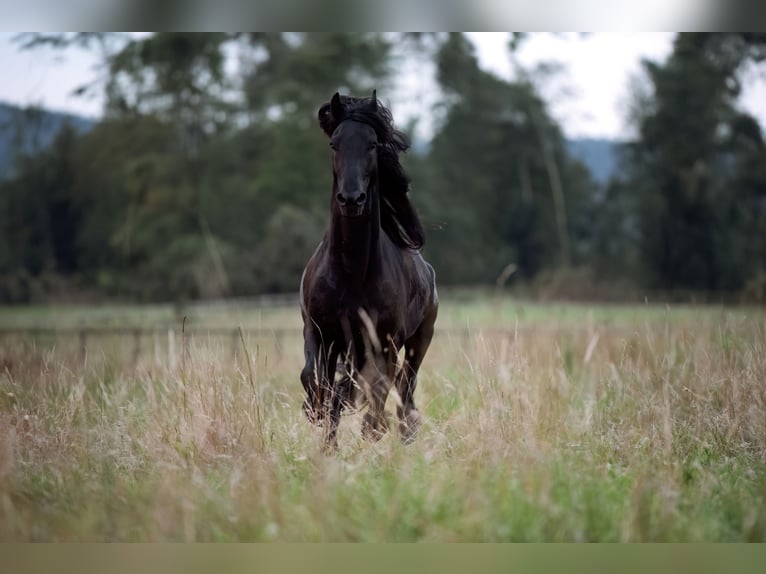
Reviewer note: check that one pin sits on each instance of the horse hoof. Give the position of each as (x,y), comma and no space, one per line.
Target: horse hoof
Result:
(373,429)
(330,448)
(314,416)
(409,426)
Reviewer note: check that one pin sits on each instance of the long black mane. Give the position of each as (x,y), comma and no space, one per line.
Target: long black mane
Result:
(397,215)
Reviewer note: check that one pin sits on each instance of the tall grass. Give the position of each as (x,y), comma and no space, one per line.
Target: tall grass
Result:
(651,427)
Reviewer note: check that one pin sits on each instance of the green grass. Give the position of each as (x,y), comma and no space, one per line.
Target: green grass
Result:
(580,423)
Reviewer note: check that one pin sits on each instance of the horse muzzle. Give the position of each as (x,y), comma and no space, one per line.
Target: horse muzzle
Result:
(352,204)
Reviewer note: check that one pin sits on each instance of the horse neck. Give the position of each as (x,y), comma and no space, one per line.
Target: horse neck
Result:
(355,243)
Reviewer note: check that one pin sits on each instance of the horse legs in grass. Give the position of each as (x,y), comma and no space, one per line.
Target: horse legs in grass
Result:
(376,379)
(414,350)
(322,404)
(333,405)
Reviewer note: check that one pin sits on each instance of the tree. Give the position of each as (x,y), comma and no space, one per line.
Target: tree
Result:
(496,176)
(40,218)
(693,174)
(194,170)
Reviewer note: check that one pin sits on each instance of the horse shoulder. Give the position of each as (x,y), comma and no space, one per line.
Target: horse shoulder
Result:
(312,276)
(407,286)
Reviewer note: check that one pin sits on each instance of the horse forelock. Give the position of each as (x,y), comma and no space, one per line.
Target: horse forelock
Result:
(367,111)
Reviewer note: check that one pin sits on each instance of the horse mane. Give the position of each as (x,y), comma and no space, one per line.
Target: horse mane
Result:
(398,217)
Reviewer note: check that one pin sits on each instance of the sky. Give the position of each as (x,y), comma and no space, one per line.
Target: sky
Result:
(589,98)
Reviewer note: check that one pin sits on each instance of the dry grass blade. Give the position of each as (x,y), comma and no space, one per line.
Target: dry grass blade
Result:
(251,379)
(582,424)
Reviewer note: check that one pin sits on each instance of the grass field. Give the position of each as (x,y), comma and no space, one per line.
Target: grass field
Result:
(572,423)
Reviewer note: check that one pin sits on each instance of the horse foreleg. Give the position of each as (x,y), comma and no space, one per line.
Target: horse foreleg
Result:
(315,376)
(415,350)
(376,382)
(309,380)
(333,404)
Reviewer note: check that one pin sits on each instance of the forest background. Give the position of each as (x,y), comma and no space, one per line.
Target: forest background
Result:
(197,183)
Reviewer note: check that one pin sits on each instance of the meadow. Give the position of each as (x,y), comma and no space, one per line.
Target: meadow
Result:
(556,422)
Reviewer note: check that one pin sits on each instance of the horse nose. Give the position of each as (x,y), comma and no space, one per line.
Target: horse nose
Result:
(358,199)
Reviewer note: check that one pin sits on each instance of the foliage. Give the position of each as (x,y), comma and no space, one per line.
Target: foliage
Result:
(183,190)
(208,177)
(494,174)
(694,182)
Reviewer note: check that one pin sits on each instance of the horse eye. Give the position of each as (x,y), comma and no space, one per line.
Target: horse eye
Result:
(373,146)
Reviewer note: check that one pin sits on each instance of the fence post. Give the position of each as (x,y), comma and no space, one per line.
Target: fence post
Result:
(172,349)
(136,346)
(156,341)
(184,346)
(278,338)
(83,347)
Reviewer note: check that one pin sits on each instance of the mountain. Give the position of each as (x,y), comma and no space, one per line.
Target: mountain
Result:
(599,156)
(40,128)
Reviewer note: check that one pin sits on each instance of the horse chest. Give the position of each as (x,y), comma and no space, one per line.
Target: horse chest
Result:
(336,311)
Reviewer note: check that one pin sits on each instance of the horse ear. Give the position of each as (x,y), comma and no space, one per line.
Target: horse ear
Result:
(336,107)
(330,114)
(374,100)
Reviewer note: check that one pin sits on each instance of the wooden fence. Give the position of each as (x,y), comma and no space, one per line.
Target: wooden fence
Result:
(175,338)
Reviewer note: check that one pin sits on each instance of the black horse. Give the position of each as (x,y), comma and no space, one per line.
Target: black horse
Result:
(366,291)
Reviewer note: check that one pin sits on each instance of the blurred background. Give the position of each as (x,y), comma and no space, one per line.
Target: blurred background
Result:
(178,166)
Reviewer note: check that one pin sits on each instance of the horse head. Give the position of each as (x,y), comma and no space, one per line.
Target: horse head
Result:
(349,123)
(397,216)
